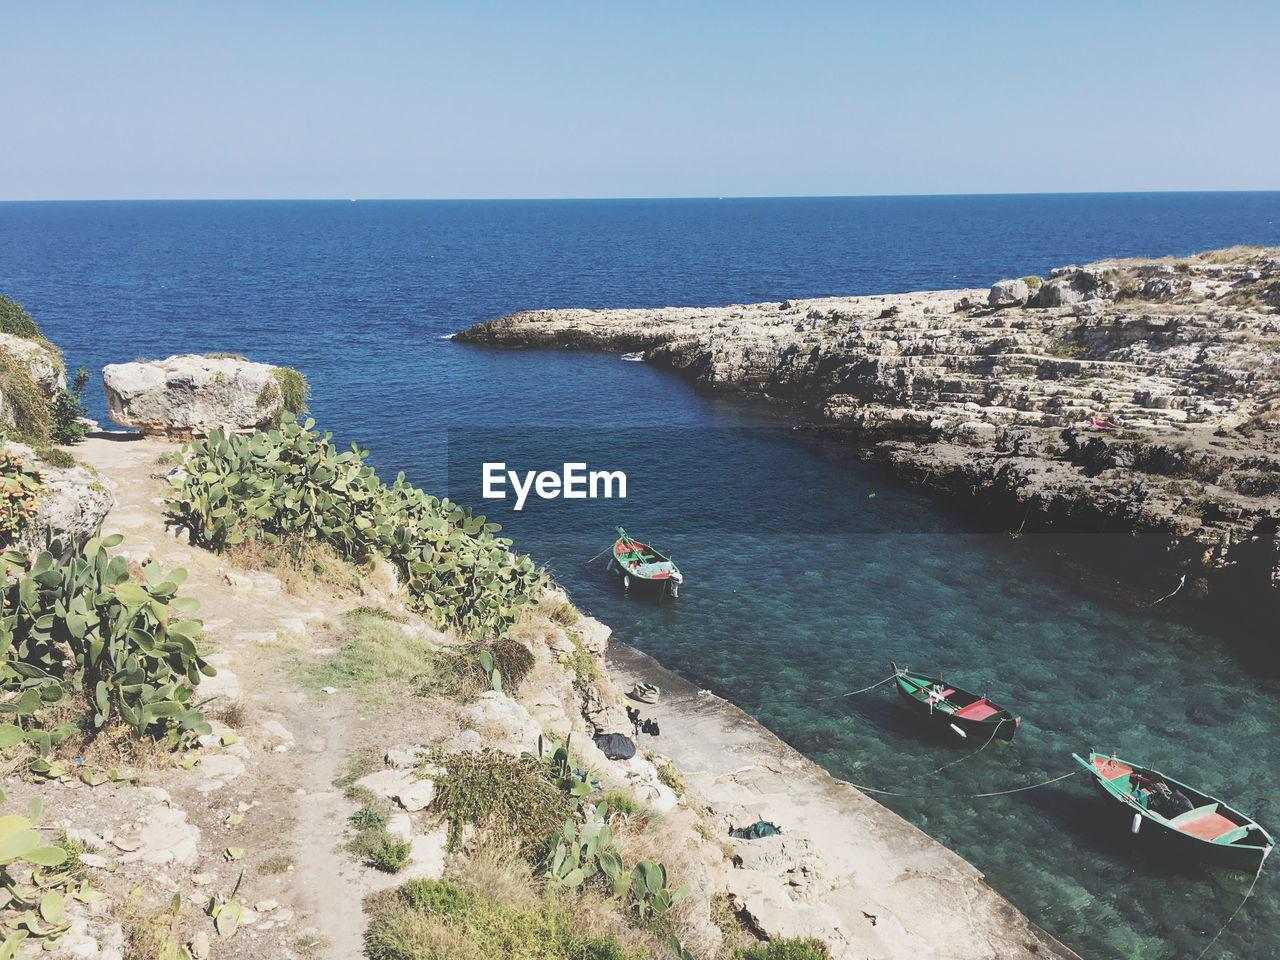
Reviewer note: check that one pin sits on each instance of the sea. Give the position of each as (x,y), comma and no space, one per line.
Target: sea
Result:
(807,570)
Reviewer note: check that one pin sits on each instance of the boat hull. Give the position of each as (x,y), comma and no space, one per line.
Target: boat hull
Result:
(640,565)
(975,717)
(1163,835)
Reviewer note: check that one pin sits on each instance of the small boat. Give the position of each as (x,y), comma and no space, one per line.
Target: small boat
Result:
(1186,821)
(950,708)
(640,563)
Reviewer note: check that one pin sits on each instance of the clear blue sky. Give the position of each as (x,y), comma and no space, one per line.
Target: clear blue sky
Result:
(541,98)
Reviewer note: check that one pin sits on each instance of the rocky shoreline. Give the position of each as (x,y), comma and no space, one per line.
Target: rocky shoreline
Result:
(1136,396)
(846,871)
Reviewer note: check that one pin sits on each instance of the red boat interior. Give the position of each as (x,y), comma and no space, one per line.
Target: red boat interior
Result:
(1208,826)
(978,710)
(636,554)
(1110,769)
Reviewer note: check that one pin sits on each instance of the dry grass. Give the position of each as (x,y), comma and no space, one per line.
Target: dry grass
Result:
(301,565)
(498,877)
(147,930)
(277,863)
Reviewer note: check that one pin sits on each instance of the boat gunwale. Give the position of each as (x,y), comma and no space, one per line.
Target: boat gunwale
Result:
(1151,773)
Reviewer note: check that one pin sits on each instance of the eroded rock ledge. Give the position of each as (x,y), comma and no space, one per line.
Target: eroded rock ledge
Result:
(1006,397)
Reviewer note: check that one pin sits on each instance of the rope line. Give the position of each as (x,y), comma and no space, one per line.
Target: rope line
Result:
(973,753)
(1247,895)
(854,693)
(599,555)
(963,796)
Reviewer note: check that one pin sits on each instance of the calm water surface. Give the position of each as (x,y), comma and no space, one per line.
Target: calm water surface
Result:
(800,583)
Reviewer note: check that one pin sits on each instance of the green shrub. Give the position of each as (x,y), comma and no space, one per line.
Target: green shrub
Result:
(436,896)
(368,816)
(16,321)
(67,409)
(20,486)
(390,854)
(57,457)
(38,896)
(620,803)
(786,948)
(294,389)
(1033,283)
(293,481)
(76,621)
(511,798)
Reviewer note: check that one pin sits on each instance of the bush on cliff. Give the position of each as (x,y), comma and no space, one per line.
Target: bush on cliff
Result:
(67,409)
(25,402)
(294,482)
(20,486)
(76,624)
(17,322)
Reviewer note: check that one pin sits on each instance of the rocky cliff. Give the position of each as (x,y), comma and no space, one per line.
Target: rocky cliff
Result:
(1136,395)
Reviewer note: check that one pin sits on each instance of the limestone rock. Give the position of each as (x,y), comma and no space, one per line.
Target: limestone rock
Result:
(166,837)
(1008,293)
(929,382)
(507,725)
(412,794)
(1058,293)
(188,394)
(43,365)
(73,502)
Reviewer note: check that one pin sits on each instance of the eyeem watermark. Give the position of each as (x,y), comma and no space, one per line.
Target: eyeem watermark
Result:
(574,482)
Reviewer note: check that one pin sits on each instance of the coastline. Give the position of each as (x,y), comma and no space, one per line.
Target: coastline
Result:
(845,869)
(1135,396)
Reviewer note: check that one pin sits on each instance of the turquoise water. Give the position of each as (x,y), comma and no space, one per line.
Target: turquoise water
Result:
(800,583)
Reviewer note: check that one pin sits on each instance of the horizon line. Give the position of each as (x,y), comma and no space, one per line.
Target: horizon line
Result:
(796,196)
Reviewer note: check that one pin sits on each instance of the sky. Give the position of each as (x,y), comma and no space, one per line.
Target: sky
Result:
(279,99)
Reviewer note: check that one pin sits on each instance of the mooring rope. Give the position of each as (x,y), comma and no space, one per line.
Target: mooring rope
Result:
(599,555)
(1247,895)
(854,693)
(972,754)
(962,796)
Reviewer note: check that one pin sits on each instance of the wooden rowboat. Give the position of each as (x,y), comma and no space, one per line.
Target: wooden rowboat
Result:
(640,563)
(963,714)
(1185,821)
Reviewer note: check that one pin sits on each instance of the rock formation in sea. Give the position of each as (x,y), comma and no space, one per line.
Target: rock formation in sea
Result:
(1140,395)
(188,395)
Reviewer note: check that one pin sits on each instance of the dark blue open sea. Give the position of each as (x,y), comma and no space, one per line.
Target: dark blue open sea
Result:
(799,583)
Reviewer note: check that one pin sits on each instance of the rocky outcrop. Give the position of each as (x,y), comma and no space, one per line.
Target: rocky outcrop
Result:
(188,395)
(72,501)
(1008,293)
(31,375)
(41,362)
(1144,394)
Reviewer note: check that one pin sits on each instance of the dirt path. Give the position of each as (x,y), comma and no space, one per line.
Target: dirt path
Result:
(294,746)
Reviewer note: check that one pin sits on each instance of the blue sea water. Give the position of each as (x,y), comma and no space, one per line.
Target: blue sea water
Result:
(807,570)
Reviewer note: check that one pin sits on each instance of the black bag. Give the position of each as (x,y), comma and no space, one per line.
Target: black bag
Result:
(615,746)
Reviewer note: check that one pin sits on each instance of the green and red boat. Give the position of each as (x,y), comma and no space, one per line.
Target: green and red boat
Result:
(640,563)
(1184,821)
(951,709)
